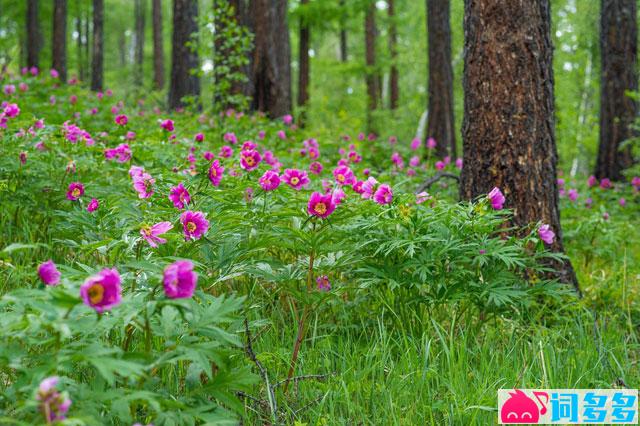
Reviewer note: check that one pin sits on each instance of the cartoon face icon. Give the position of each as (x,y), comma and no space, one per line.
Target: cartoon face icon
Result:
(519,408)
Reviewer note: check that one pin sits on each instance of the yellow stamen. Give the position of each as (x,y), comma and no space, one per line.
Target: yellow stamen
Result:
(294,181)
(191,226)
(76,192)
(96,293)
(320,208)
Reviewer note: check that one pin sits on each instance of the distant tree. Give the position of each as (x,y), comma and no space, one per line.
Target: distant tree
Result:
(271,60)
(440,125)
(139,12)
(394,95)
(343,34)
(304,66)
(80,40)
(97,71)
(158,49)
(184,58)
(372,80)
(34,35)
(59,42)
(619,54)
(508,130)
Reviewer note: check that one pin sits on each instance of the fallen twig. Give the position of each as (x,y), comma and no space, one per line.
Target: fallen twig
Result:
(263,372)
(300,378)
(426,184)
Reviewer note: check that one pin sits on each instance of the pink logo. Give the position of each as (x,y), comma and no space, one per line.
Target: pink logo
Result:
(519,408)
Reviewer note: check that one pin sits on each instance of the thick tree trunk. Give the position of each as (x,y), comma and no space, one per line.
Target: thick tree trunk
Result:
(394,94)
(97,72)
(158,49)
(618,52)
(34,35)
(139,12)
(183,59)
(343,36)
(372,80)
(508,130)
(271,62)
(59,41)
(440,125)
(79,42)
(304,70)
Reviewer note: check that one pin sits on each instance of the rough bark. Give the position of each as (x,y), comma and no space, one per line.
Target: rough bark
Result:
(59,41)
(139,12)
(441,124)
(34,35)
(158,50)
(183,59)
(372,80)
(619,49)
(271,60)
(394,91)
(304,70)
(80,42)
(508,129)
(97,71)
(343,36)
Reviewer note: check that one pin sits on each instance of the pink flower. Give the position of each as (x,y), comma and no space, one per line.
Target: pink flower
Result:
(297,179)
(496,198)
(225,151)
(121,153)
(323,283)
(143,185)
(215,173)
(52,403)
(414,161)
(179,196)
(199,137)
(383,195)
(592,181)
(431,143)
(23,157)
(287,119)
(546,234)
(415,143)
(261,134)
(605,183)
(130,135)
(11,110)
(338,195)
(344,176)
(102,291)
(320,205)
(9,89)
(622,202)
(75,191)
(231,138)
(23,87)
(315,168)
(440,165)
(54,73)
(270,180)
(151,234)
(167,125)
(121,120)
(194,225)
(250,159)
(48,273)
(93,205)
(396,158)
(422,197)
(357,187)
(573,194)
(605,216)
(282,135)
(636,182)
(368,187)
(459,163)
(179,280)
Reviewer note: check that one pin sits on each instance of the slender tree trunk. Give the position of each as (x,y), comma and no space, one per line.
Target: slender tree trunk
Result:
(122,49)
(303,78)
(34,35)
(271,62)
(372,80)
(158,49)
(394,95)
(139,12)
(79,42)
(343,35)
(183,59)
(87,41)
(508,130)
(618,53)
(98,46)
(59,41)
(440,125)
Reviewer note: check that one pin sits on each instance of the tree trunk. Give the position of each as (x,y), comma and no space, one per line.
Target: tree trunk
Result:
(394,95)
(34,35)
(271,62)
(441,124)
(139,12)
(370,56)
(183,59)
(303,77)
(619,48)
(87,41)
(158,49)
(59,41)
(79,42)
(98,46)
(508,130)
(343,35)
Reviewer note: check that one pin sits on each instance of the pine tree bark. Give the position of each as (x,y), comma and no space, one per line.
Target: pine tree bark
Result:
(34,35)
(440,124)
(372,80)
(183,59)
(271,61)
(618,55)
(97,60)
(304,70)
(139,11)
(158,49)
(59,41)
(79,42)
(508,129)
(394,89)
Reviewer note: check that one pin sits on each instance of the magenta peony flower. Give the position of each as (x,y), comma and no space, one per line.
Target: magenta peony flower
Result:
(383,195)
(287,119)
(282,135)
(48,273)
(573,194)
(231,138)
(592,181)
(11,110)
(53,405)
(440,165)
(622,202)
(338,195)
(605,183)
(121,153)
(323,283)
(225,151)
(143,185)
(199,137)
(344,176)
(431,143)
(9,89)
(270,180)
(496,198)
(75,191)
(102,291)
(320,205)
(167,125)
(215,173)
(179,280)
(248,145)
(93,205)
(250,159)
(636,182)
(121,120)
(54,73)
(179,196)
(415,143)
(414,161)
(459,163)
(151,234)
(130,135)
(546,234)
(315,168)
(297,179)
(194,225)
(396,158)
(422,197)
